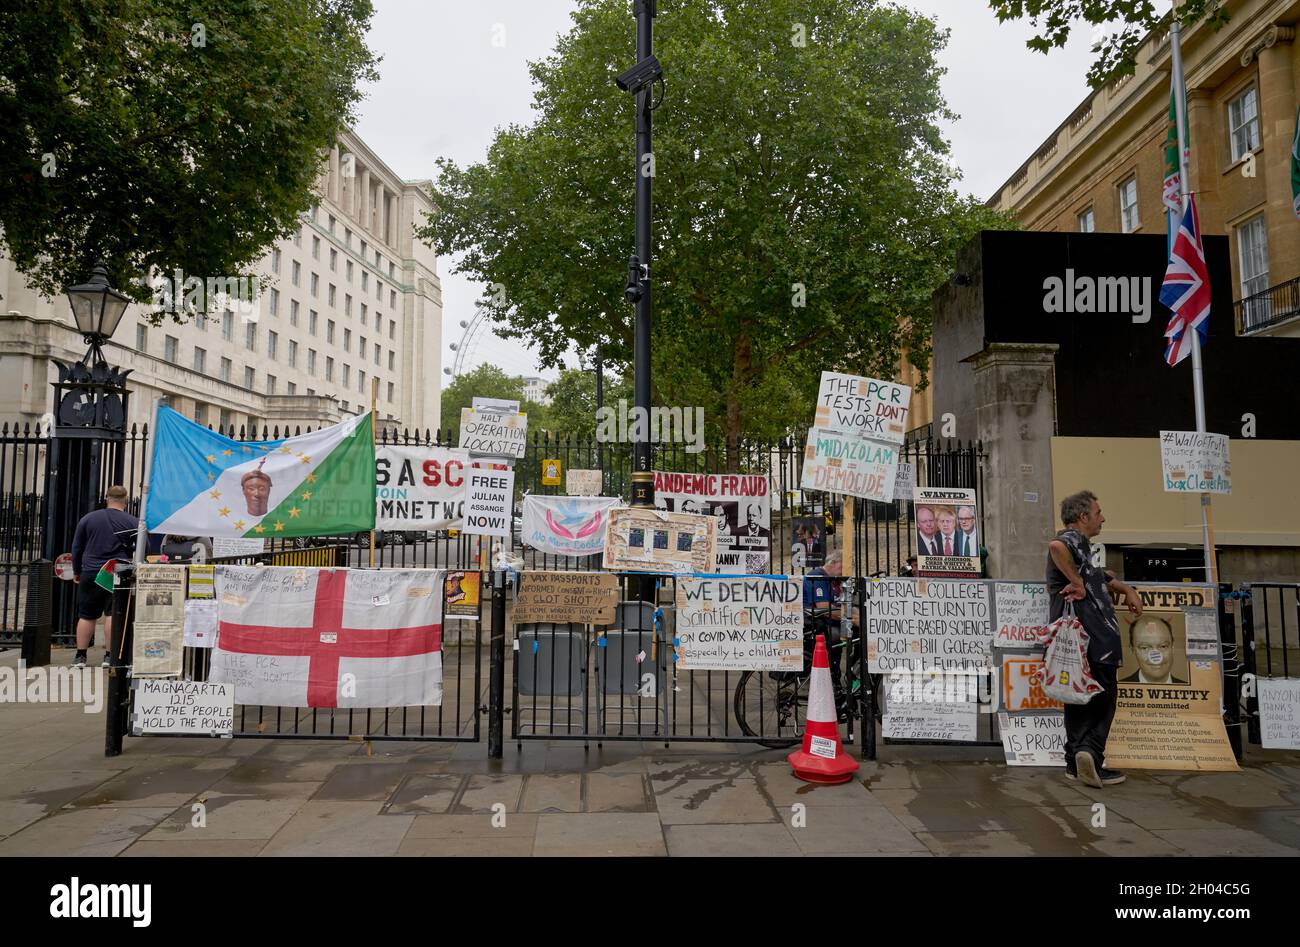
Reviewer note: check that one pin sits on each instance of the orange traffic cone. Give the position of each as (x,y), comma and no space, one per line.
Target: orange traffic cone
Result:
(822,759)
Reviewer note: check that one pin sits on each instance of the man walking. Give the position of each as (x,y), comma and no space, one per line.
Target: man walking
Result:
(1071,577)
(102,535)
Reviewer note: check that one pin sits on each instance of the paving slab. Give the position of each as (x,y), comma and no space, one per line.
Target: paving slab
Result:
(362,783)
(505,825)
(720,800)
(226,818)
(489,846)
(196,848)
(730,840)
(425,793)
(340,828)
(84,832)
(168,782)
(599,834)
(552,792)
(850,829)
(618,792)
(485,791)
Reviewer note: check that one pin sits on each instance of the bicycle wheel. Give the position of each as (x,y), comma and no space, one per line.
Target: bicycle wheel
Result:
(772,709)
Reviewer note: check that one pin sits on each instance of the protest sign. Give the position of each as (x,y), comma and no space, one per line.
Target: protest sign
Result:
(493,434)
(905,481)
(489,507)
(225,548)
(567,526)
(550,473)
(1022,610)
(183,707)
(864,407)
(1279,712)
(159,621)
(584,598)
(645,539)
(419,488)
(1033,739)
(461,594)
(927,623)
(495,405)
(807,543)
(741,505)
(739,624)
(201,582)
(200,623)
(954,722)
(947,535)
(582,483)
(1021,688)
(1195,463)
(1169,713)
(854,466)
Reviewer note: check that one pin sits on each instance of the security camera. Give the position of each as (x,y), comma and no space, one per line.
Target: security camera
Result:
(641,75)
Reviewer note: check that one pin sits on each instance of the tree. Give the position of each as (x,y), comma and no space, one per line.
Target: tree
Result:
(804,208)
(487,381)
(573,399)
(1116,46)
(165,134)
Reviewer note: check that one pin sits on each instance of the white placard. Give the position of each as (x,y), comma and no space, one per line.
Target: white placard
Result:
(948,722)
(1195,463)
(237,547)
(419,487)
(493,434)
(582,483)
(1033,739)
(1279,712)
(495,405)
(905,481)
(1022,611)
(1202,632)
(865,407)
(739,624)
(920,624)
(200,622)
(181,707)
(851,465)
(489,502)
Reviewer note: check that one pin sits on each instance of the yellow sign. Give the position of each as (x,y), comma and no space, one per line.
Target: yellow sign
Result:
(551,473)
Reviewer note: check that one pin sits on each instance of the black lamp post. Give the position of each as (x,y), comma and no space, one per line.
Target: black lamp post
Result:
(97,308)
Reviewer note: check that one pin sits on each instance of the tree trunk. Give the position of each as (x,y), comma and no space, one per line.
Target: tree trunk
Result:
(741,368)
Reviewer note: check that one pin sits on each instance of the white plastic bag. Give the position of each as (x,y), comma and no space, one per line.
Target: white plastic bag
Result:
(1065,675)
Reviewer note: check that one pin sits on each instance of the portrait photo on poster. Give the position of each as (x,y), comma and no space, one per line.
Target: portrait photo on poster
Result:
(1155,649)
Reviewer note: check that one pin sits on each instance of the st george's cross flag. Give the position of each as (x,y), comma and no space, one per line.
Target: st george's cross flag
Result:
(1186,290)
(205,484)
(296,637)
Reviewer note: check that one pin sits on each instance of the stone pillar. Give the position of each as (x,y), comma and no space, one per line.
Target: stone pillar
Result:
(363,197)
(1277,116)
(332,188)
(1015,412)
(1204,170)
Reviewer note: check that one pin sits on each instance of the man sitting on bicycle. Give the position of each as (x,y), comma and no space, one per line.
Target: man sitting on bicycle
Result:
(821,597)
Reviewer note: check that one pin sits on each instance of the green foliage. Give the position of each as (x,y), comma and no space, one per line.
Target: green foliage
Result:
(573,400)
(1118,44)
(804,204)
(165,133)
(488,381)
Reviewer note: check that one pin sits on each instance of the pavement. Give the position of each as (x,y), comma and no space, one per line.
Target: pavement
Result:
(59,795)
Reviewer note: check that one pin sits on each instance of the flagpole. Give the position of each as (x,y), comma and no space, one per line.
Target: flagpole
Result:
(1198,375)
(142,531)
(374,442)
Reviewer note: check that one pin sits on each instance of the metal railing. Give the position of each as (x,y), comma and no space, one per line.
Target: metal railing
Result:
(1275,304)
(1270,641)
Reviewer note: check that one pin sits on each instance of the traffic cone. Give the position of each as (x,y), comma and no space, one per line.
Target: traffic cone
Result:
(822,759)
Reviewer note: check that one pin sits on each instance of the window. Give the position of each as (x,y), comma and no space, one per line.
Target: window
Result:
(329,331)
(379,260)
(332,296)
(344,405)
(275,302)
(347,375)
(347,305)
(390,391)
(378,353)
(392,299)
(315,285)
(249,377)
(225,369)
(379,291)
(297,238)
(334,260)
(311,361)
(228,326)
(332,222)
(347,340)
(311,392)
(201,414)
(365,280)
(1128,205)
(312,320)
(200,360)
(363,249)
(361,381)
(363,313)
(293,354)
(275,261)
(297,273)
(349,271)
(392,270)
(272,344)
(270,384)
(1087,221)
(391,355)
(347,237)
(293,312)
(292,388)
(1243,123)
(362,347)
(170,345)
(315,248)
(1252,250)
(329,369)
(250,336)
(392,329)
(141,337)
(225,421)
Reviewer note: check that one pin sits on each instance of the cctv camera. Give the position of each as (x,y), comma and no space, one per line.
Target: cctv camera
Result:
(641,75)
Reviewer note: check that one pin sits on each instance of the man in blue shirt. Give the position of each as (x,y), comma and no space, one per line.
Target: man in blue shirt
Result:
(102,535)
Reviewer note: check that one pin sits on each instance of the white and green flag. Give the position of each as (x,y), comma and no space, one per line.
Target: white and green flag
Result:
(205,484)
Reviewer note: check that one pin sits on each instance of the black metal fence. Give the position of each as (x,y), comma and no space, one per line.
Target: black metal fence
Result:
(1270,640)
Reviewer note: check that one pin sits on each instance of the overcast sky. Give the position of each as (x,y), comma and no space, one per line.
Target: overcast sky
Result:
(445,87)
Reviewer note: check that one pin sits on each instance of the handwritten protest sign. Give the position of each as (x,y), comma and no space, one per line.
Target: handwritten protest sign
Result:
(1279,712)
(1022,610)
(928,623)
(1195,463)
(1033,739)
(741,505)
(954,722)
(905,481)
(864,407)
(851,465)
(641,539)
(739,624)
(1021,690)
(183,707)
(582,483)
(488,502)
(419,487)
(493,434)
(585,598)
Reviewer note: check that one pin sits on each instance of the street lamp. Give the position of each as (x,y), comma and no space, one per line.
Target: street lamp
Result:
(97,308)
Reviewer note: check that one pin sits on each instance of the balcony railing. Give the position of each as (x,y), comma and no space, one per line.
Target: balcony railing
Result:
(1276,304)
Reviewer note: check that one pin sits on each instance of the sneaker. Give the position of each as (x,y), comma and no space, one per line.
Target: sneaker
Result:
(1111,777)
(1086,767)
(106,662)
(1070,773)
(79,661)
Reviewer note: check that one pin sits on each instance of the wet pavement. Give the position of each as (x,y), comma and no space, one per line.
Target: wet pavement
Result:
(59,795)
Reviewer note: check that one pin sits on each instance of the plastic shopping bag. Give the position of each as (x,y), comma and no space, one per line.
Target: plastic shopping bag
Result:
(1065,675)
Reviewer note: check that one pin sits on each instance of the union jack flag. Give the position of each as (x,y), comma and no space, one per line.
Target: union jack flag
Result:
(1186,290)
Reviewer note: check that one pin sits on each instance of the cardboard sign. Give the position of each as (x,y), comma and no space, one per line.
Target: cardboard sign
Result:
(583,483)
(739,624)
(584,598)
(920,624)
(851,465)
(905,481)
(551,473)
(864,407)
(183,707)
(1021,690)
(419,488)
(1195,463)
(741,504)
(641,539)
(1023,611)
(955,722)
(489,497)
(1033,739)
(1279,712)
(493,434)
